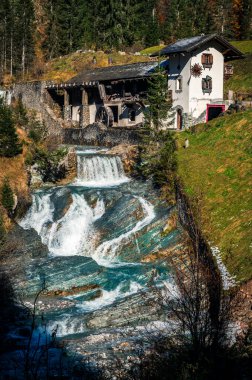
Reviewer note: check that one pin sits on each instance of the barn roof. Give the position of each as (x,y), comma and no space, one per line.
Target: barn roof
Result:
(135,70)
(187,45)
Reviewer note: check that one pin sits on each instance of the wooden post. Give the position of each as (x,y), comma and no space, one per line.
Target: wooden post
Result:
(67,107)
(84,109)
(66,98)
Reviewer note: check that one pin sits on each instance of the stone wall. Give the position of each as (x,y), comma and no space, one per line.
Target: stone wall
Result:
(34,97)
(97,134)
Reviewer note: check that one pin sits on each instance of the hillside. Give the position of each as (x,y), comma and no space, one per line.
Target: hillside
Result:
(64,68)
(217,168)
(14,169)
(241,81)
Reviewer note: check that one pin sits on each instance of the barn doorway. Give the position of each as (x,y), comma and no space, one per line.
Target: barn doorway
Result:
(214,110)
(115,113)
(179,119)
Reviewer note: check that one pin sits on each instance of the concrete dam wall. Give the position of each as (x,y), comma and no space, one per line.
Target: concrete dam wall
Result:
(96,134)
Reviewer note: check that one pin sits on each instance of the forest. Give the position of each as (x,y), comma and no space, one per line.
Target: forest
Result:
(34,31)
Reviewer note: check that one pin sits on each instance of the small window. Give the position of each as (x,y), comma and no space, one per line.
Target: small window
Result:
(207,85)
(207,60)
(179,84)
(132,115)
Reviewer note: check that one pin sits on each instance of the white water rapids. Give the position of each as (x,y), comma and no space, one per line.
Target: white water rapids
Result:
(100,171)
(106,224)
(74,234)
(106,253)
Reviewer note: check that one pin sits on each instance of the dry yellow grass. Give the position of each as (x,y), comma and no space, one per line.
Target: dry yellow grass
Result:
(14,169)
(64,68)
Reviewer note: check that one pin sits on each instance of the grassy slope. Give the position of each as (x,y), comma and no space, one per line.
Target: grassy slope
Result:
(218,165)
(64,68)
(241,81)
(152,49)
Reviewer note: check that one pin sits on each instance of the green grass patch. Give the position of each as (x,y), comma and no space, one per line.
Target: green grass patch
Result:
(241,81)
(217,167)
(63,68)
(244,46)
(152,49)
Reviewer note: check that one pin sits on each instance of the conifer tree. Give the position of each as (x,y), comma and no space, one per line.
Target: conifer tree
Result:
(246,23)
(2,228)
(157,156)
(23,34)
(157,99)
(9,144)
(237,10)
(7,197)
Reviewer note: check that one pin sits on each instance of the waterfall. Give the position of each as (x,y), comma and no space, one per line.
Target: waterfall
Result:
(40,215)
(100,170)
(70,235)
(107,253)
(73,233)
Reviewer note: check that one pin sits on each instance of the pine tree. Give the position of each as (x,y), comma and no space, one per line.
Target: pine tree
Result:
(157,100)
(2,228)
(246,23)
(24,28)
(9,144)
(157,156)
(7,197)
(237,10)
(6,34)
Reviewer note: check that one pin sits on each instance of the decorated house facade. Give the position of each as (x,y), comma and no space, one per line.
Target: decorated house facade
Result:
(116,95)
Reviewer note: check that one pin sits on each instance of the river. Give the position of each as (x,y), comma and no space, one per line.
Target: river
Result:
(95,240)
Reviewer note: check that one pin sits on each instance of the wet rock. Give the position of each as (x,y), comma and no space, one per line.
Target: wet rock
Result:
(128,154)
(171,224)
(73,290)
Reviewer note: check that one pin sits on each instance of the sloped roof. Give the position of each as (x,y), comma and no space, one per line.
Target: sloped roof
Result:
(187,45)
(135,70)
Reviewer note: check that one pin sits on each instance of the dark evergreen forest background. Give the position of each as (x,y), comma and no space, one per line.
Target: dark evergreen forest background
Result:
(33,31)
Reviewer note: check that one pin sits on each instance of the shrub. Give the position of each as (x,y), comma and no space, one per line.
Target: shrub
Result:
(20,114)
(36,130)
(7,197)
(49,163)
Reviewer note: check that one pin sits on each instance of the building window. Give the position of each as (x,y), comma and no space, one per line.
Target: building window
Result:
(207,85)
(132,114)
(207,60)
(179,84)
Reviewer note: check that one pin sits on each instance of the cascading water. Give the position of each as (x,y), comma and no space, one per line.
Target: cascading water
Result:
(106,253)
(98,231)
(100,170)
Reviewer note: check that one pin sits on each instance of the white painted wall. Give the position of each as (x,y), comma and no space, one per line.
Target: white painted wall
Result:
(124,116)
(179,65)
(76,113)
(191,99)
(92,110)
(197,99)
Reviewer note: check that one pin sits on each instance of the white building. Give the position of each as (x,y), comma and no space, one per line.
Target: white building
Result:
(116,95)
(196,77)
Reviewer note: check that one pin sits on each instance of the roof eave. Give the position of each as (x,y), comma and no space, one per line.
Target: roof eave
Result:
(237,53)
